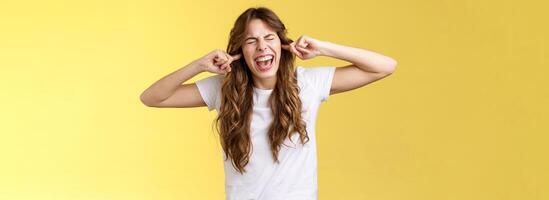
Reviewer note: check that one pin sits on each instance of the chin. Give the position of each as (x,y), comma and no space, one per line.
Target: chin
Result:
(267,74)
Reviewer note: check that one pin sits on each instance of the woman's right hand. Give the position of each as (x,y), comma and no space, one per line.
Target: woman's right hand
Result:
(217,61)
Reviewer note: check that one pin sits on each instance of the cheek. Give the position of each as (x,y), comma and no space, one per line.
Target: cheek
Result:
(247,55)
(277,47)
(275,44)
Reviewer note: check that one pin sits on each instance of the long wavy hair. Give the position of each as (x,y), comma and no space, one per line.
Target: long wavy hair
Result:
(234,119)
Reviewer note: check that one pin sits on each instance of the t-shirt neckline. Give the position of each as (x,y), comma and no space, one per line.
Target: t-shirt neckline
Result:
(268,91)
(262,90)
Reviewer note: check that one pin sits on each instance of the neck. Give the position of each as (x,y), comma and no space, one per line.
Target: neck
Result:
(265,83)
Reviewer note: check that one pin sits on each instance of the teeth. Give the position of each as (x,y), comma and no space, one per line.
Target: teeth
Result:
(264,58)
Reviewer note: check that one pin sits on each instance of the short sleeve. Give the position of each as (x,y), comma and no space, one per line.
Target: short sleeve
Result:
(210,90)
(320,78)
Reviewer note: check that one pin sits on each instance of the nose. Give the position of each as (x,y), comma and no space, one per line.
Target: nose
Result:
(261,46)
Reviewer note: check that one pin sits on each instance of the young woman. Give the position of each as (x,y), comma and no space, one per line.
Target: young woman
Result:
(266,107)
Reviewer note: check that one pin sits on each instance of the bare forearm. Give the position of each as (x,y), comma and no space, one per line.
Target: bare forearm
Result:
(364,59)
(166,86)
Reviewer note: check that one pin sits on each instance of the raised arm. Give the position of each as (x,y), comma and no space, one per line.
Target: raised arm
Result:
(366,66)
(170,91)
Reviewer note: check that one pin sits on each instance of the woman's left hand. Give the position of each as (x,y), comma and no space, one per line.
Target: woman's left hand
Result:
(305,47)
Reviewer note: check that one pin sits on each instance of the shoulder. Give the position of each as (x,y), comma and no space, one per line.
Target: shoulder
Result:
(210,83)
(210,90)
(314,75)
(312,72)
(217,79)
(318,78)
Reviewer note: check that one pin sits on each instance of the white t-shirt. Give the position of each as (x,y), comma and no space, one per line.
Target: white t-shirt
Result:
(295,177)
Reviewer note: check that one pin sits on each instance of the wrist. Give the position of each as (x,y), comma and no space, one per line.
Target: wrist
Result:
(325,48)
(196,67)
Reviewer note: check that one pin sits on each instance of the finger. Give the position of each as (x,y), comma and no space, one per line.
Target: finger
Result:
(219,63)
(224,66)
(216,69)
(301,42)
(223,71)
(227,68)
(228,61)
(221,56)
(296,52)
(301,49)
(222,59)
(286,46)
(289,48)
(222,63)
(236,57)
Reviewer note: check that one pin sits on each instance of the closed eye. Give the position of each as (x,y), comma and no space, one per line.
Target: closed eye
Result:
(251,40)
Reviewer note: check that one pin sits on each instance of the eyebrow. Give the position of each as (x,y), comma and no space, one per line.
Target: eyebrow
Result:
(270,34)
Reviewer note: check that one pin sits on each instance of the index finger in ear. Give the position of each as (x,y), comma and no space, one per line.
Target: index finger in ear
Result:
(286,46)
(236,57)
(296,52)
(228,58)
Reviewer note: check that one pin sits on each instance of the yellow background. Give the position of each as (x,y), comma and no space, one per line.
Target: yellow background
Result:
(463,117)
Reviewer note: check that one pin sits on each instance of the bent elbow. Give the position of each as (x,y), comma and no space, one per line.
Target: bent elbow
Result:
(145,101)
(391,67)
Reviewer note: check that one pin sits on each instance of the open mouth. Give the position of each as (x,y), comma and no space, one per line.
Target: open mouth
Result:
(264,63)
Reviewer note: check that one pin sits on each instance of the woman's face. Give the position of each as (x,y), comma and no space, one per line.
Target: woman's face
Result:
(261,49)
